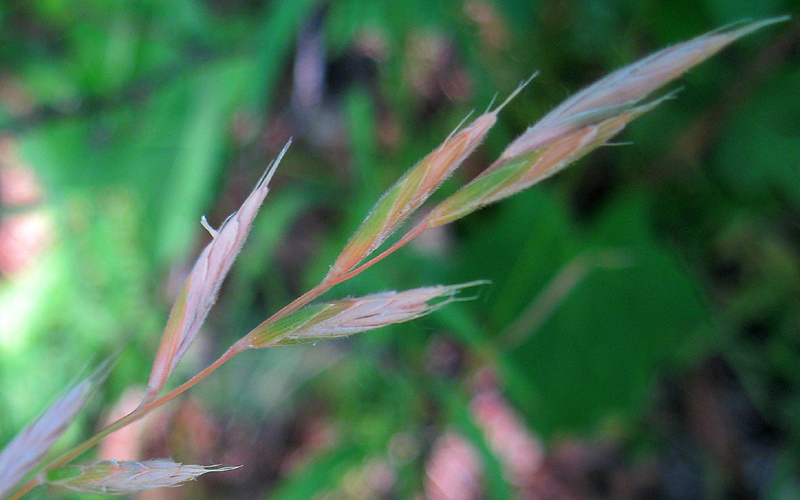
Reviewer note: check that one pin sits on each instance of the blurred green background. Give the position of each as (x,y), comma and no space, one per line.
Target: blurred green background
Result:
(640,337)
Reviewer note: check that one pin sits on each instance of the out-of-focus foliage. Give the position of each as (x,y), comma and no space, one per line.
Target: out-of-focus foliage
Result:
(614,286)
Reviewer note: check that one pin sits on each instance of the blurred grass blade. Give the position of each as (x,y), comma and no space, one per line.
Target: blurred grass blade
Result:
(120,478)
(582,123)
(200,291)
(345,317)
(413,188)
(24,453)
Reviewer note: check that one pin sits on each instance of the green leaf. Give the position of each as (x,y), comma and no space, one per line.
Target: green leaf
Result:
(597,354)
(759,152)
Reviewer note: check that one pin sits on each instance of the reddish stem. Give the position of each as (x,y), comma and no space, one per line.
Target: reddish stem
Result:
(133,416)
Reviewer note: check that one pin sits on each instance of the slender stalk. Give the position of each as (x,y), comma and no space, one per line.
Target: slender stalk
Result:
(363,267)
(25,488)
(128,419)
(333,280)
(302,300)
(555,293)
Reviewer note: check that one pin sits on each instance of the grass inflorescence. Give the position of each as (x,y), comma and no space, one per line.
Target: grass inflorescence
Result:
(584,122)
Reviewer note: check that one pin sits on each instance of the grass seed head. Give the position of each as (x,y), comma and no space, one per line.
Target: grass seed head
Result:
(29,447)
(118,478)
(200,291)
(625,88)
(345,317)
(584,122)
(416,186)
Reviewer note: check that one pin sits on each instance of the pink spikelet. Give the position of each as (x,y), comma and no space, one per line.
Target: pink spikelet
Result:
(625,88)
(119,478)
(30,446)
(414,188)
(345,317)
(200,291)
(584,122)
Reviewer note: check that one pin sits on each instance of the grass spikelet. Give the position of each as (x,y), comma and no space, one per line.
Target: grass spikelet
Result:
(625,88)
(507,177)
(586,121)
(345,317)
(29,447)
(118,478)
(581,124)
(200,291)
(413,188)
